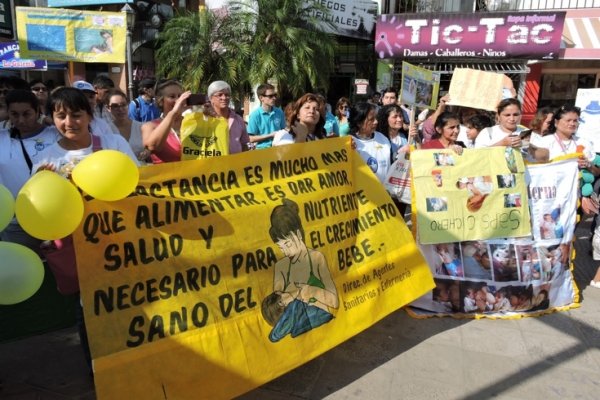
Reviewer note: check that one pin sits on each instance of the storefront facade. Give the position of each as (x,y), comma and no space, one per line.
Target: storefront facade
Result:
(490,41)
(554,83)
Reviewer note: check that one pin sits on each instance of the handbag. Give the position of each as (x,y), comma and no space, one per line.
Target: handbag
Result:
(60,257)
(60,253)
(397,181)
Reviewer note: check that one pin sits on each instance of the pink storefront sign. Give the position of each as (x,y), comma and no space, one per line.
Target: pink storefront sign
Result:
(516,35)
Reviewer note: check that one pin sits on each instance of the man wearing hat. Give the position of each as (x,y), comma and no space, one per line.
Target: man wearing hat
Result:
(98,126)
(143,108)
(219,94)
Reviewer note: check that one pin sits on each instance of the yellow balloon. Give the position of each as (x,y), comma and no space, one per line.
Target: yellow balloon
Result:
(107,175)
(21,273)
(7,207)
(49,206)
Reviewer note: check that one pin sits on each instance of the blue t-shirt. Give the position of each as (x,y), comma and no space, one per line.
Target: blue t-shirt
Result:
(143,111)
(262,122)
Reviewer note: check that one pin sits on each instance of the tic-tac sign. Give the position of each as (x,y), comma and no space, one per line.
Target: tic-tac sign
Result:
(525,35)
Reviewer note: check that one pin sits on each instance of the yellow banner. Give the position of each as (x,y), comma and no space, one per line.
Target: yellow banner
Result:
(203,136)
(478,195)
(71,35)
(220,275)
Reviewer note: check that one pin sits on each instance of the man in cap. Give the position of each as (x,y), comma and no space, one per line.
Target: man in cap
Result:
(219,94)
(143,108)
(99,126)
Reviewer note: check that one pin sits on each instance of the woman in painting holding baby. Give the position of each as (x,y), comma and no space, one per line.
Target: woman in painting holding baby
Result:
(304,293)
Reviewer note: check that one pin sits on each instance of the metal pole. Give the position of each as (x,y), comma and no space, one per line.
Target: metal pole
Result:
(129,65)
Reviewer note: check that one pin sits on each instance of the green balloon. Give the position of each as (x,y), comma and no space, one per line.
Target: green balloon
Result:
(7,207)
(21,273)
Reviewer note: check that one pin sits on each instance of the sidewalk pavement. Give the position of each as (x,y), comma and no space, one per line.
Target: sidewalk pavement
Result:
(556,356)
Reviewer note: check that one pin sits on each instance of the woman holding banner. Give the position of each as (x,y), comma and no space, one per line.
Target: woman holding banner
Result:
(161,136)
(447,128)
(506,132)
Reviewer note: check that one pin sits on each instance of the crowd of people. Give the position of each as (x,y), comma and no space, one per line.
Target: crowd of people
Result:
(46,128)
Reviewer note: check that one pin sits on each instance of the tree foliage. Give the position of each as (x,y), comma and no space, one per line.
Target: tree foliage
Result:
(268,40)
(201,47)
(288,43)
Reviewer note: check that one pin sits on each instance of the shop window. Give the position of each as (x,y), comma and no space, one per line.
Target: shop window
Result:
(559,89)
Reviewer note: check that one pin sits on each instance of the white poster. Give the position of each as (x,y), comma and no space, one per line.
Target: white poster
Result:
(589,121)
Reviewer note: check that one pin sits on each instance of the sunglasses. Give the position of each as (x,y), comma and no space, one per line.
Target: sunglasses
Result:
(39,89)
(117,106)
(271,96)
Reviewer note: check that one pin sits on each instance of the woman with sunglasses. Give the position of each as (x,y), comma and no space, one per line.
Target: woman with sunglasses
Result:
(506,131)
(117,106)
(342,110)
(40,91)
(161,136)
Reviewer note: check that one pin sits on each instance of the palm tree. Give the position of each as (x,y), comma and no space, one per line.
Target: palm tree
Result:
(288,44)
(201,47)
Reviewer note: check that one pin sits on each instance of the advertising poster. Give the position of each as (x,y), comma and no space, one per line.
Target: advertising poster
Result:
(588,100)
(492,35)
(420,86)
(216,277)
(71,35)
(478,195)
(516,276)
(476,89)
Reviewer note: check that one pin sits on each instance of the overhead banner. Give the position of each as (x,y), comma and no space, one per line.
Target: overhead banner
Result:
(71,35)
(420,86)
(480,194)
(217,277)
(10,58)
(509,277)
(490,35)
(476,89)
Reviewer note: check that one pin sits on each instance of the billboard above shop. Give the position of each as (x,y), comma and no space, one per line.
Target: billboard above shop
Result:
(78,3)
(351,18)
(515,35)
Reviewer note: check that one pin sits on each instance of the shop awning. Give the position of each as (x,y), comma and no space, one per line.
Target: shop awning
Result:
(503,68)
(581,35)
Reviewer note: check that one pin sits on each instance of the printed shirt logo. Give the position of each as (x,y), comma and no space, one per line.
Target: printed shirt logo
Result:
(372,163)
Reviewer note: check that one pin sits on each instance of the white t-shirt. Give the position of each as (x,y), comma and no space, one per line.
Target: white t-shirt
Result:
(135,137)
(376,152)
(65,160)
(490,136)
(558,147)
(14,171)
(100,127)
(284,136)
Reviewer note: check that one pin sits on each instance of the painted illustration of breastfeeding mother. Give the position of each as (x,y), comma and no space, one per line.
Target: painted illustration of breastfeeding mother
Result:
(304,293)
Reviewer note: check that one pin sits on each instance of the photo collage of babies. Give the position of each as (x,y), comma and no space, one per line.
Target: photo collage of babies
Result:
(495,276)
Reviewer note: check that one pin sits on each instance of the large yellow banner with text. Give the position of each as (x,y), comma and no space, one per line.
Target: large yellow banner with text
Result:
(220,275)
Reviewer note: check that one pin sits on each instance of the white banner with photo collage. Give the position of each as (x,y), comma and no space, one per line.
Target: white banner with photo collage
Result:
(505,277)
